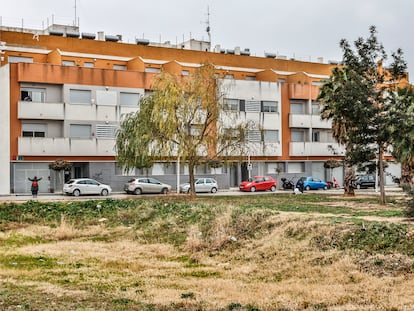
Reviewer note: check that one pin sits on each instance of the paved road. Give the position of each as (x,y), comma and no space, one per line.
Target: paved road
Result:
(390,191)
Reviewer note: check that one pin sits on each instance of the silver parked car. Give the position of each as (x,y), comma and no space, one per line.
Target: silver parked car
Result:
(81,186)
(146,185)
(201,185)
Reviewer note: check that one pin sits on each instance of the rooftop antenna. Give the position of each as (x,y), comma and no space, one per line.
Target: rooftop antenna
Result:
(75,13)
(208,24)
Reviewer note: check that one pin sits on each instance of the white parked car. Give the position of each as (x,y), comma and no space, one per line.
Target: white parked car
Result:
(201,185)
(146,185)
(80,186)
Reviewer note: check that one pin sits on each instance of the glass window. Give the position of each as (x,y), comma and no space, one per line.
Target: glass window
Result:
(269,106)
(185,72)
(316,136)
(129,99)
(296,167)
(20,59)
(231,104)
(297,108)
(152,70)
(250,78)
(119,67)
(316,108)
(271,136)
(34,130)
(297,136)
(80,130)
(80,96)
(88,65)
(68,63)
(33,94)
(229,76)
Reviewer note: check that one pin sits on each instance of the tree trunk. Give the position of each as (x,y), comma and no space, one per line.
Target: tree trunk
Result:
(349,181)
(191,167)
(381,176)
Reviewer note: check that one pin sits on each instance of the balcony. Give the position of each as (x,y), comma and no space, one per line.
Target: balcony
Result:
(44,111)
(40,146)
(301,149)
(308,121)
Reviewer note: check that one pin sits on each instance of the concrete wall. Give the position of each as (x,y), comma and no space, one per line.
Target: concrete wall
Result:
(5,130)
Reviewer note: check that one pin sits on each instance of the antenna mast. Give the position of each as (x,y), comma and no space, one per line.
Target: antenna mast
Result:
(208,24)
(75,13)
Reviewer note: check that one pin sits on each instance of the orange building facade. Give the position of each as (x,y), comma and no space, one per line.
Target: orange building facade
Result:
(63,95)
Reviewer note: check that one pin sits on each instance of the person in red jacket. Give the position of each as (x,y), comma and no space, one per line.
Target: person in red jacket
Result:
(35,185)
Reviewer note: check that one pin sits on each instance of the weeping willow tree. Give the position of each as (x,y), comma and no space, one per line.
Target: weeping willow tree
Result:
(358,98)
(184,118)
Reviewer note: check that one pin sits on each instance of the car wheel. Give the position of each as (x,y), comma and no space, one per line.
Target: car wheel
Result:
(213,190)
(164,191)
(252,189)
(358,186)
(307,188)
(137,191)
(76,192)
(273,188)
(325,188)
(104,192)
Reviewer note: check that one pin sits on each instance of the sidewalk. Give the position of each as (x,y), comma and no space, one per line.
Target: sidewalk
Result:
(58,196)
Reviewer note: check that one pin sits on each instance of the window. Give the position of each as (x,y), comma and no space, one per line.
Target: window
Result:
(20,59)
(316,136)
(33,94)
(231,104)
(185,73)
(250,78)
(297,136)
(129,99)
(80,96)
(296,167)
(152,70)
(34,130)
(68,63)
(119,67)
(271,136)
(297,108)
(269,106)
(316,108)
(229,76)
(88,65)
(80,130)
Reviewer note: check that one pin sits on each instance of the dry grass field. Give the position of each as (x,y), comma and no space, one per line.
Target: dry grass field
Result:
(270,252)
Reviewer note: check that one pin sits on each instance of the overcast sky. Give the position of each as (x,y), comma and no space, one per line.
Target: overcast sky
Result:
(300,29)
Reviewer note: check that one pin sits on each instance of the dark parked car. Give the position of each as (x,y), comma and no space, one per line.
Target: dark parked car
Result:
(258,183)
(365,181)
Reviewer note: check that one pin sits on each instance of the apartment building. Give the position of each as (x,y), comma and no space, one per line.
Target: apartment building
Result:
(63,94)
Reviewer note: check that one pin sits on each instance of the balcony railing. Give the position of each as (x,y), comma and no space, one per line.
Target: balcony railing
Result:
(308,121)
(41,146)
(315,149)
(34,110)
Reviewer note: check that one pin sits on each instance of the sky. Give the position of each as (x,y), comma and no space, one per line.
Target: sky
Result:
(301,29)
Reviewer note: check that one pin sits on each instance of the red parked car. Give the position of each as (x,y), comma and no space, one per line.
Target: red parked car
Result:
(258,183)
